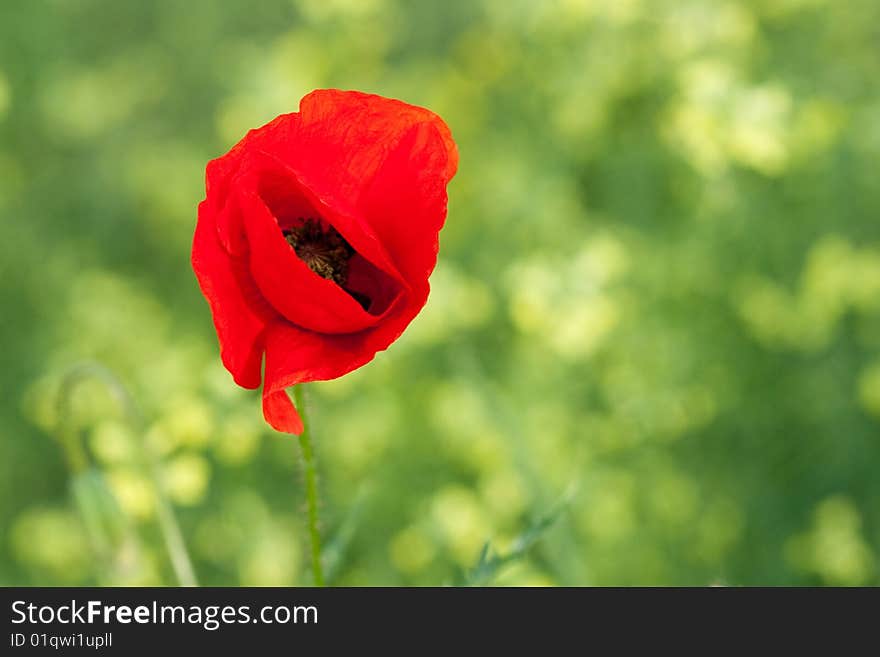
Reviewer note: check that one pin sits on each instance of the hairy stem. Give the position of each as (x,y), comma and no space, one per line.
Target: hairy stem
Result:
(311,477)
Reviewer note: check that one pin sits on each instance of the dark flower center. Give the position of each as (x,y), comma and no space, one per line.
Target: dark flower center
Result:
(324,250)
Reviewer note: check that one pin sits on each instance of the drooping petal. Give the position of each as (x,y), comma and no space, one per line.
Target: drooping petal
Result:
(280,412)
(239,312)
(294,355)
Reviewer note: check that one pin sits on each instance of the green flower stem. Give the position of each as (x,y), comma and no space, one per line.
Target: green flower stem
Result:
(311,476)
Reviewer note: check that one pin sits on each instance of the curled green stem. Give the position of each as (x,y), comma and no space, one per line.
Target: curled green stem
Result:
(311,482)
(76,456)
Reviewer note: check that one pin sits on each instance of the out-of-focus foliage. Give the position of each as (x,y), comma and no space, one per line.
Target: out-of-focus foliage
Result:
(659,283)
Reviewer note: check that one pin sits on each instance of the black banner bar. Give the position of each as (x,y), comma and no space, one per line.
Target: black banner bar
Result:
(124,620)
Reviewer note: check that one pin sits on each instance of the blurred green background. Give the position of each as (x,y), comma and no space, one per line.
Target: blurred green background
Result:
(656,314)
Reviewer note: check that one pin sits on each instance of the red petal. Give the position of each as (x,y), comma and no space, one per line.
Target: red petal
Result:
(280,413)
(343,137)
(293,356)
(285,280)
(406,203)
(223,175)
(335,145)
(239,312)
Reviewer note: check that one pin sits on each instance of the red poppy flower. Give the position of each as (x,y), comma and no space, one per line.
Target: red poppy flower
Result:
(317,236)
